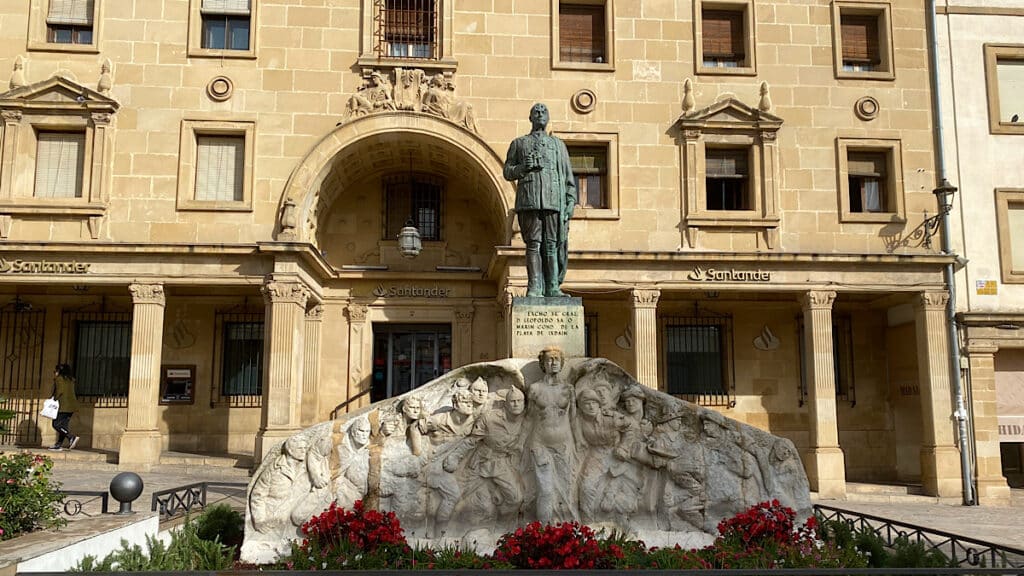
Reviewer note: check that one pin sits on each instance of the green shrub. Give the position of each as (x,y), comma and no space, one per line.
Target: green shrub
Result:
(222,522)
(868,545)
(29,499)
(5,415)
(186,551)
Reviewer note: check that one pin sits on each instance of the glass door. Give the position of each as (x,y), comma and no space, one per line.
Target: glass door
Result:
(406,356)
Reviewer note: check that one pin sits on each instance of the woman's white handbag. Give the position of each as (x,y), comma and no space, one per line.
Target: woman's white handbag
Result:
(50,408)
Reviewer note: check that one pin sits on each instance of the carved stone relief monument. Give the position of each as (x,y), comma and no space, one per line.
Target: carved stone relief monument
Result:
(492,446)
(411,90)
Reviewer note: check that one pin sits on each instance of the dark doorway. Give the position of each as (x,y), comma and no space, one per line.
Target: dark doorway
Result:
(406,356)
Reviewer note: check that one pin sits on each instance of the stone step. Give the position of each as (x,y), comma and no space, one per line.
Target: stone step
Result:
(887,494)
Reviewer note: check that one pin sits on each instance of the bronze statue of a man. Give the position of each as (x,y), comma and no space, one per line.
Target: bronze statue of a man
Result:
(545,199)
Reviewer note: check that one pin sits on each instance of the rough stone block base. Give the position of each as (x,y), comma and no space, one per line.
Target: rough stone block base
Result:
(826,472)
(993,492)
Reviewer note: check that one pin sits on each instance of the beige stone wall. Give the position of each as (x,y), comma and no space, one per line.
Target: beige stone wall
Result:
(296,89)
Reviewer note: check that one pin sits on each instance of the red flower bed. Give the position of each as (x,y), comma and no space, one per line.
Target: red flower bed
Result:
(562,546)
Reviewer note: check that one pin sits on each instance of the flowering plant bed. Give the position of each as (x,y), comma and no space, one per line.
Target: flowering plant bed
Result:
(766,536)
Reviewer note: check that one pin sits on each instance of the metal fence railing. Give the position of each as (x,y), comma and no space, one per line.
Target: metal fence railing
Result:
(192,497)
(85,503)
(963,550)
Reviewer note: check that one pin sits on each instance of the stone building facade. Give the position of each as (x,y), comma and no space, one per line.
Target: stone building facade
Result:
(982,82)
(219,263)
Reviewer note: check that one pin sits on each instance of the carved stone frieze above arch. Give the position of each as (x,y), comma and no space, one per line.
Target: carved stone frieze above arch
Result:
(390,141)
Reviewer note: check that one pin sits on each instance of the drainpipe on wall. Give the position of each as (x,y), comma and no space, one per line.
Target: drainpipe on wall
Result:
(960,411)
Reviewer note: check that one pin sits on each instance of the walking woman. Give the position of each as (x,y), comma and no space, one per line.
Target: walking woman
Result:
(64,392)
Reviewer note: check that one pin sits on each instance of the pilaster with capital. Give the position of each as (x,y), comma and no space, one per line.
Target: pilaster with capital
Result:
(464,334)
(992,487)
(141,442)
(360,342)
(12,126)
(645,335)
(940,459)
(505,308)
(284,336)
(311,365)
(825,461)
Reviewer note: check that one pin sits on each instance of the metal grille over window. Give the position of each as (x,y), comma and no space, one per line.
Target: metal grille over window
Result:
(416,198)
(60,158)
(219,168)
(239,358)
(698,358)
(861,51)
(406,28)
(21,371)
(581,33)
(722,38)
(590,167)
(70,12)
(842,359)
(97,346)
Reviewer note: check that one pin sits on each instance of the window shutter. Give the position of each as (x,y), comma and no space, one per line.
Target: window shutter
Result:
(860,39)
(588,160)
(866,164)
(240,7)
(60,157)
(725,163)
(409,20)
(722,34)
(219,168)
(581,33)
(73,12)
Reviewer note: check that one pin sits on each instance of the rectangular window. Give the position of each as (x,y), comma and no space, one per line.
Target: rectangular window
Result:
(867,173)
(102,358)
(590,167)
(698,359)
(1010,227)
(407,28)
(723,38)
(70,21)
(727,178)
(415,199)
(860,40)
(1010,74)
(219,168)
(225,24)
(242,367)
(582,33)
(60,161)
(1015,219)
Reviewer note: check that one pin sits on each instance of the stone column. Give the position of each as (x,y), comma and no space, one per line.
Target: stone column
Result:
(311,366)
(357,364)
(645,336)
(141,442)
(464,333)
(824,460)
(940,459)
(284,332)
(992,487)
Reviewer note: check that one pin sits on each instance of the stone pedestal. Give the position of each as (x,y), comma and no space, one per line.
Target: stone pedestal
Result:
(541,322)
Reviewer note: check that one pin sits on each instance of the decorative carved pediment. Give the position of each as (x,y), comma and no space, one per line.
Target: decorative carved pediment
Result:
(729,114)
(57,94)
(410,90)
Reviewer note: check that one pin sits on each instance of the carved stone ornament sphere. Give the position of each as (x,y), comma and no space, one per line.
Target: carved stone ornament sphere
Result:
(220,88)
(126,487)
(584,101)
(866,108)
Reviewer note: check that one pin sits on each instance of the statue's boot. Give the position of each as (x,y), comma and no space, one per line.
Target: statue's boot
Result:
(551,288)
(535,273)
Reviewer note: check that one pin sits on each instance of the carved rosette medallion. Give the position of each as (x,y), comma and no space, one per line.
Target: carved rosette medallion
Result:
(147,294)
(285,292)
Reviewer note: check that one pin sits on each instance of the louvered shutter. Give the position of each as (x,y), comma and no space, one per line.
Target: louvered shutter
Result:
(60,157)
(219,168)
(70,12)
(866,164)
(860,39)
(722,34)
(725,163)
(581,33)
(240,7)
